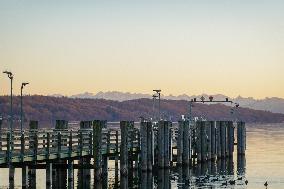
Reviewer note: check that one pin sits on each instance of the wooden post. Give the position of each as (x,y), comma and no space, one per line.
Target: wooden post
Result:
(70,174)
(116,156)
(0,135)
(144,142)
(24,177)
(130,144)
(218,139)
(180,142)
(198,141)
(105,160)
(230,133)
(149,146)
(161,152)
(47,145)
(167,126)
(33,145)
(209,139)
(213,140)
(223,140)
(241,135)
(98,125)
(48,174)
(124,126)
(204,143)
(186,139)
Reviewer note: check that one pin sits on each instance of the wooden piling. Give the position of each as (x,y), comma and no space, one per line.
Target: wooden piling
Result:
(124,126)
(48,173)
(24,177)
(198,141)
(208,139)
(223,139)
(0,135)
(70,174)
(213,140)
(144,145)
(186,139)
(203,140)
(167,140)
(230,141)
(161,149)
(98,125)
(218,139)
(149,146)
(180,142)
(241,136)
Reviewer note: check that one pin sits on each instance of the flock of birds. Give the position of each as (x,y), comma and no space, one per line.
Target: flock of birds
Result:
(200,181)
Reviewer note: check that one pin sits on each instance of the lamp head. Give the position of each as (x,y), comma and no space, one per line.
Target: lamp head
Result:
(25,83)
(10,75)
(157,90)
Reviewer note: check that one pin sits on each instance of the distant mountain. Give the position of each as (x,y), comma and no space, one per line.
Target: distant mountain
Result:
(47,109)
(275,105)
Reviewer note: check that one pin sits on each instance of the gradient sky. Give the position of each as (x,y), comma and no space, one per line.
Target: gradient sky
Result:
(181,46)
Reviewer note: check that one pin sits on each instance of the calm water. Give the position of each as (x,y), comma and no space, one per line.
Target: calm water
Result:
(264,161)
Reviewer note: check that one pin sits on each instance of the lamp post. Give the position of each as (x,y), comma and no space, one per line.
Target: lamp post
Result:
(10,76)
(158,91)
(22,87)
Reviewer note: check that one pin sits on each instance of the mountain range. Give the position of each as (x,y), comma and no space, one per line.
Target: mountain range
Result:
(273,104)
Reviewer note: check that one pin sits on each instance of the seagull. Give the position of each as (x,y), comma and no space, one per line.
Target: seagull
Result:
(225,183)
(232,182)
(266,184)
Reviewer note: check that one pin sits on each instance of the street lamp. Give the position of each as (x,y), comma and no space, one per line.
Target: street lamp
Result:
(158,91)
(22,87)
(11,76)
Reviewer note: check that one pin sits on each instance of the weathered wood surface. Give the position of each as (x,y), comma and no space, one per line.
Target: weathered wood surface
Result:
(129,142)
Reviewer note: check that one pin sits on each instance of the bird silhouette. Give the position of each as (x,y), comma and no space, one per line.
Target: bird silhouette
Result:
(232,182)
(246,182)
(266,184)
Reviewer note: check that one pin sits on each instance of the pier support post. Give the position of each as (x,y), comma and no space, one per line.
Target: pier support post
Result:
(230,134)
(241,135)
(163,144)
(70,174)
(204,142)
(186,140)
(223,137)
(98,125)
(24,176)
(218,139)
(213,140)
(198,141)
(208,139)
(124,126)
(149,146)
(180,142)
(144,145)
(48,175)
(0,135)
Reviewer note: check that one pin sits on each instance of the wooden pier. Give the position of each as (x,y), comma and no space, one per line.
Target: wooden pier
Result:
(132,145)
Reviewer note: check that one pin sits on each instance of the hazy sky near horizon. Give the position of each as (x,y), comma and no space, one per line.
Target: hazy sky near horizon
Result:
(232,47)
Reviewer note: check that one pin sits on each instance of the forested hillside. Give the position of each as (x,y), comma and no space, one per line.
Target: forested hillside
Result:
(46,109)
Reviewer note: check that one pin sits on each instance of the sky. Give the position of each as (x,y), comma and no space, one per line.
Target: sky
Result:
(231,47)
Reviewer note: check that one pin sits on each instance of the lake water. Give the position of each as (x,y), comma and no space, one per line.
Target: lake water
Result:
(264,161)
